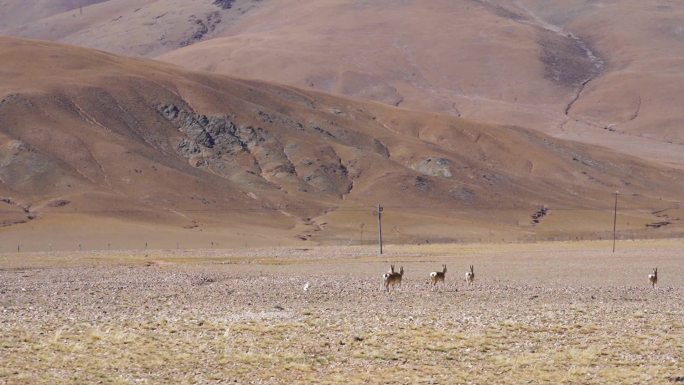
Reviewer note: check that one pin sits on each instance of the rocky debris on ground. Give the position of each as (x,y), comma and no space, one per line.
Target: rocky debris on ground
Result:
(434,167)
(225,4)
(202,26)
(657,225)
(207,321)
(222,146)
(539,214)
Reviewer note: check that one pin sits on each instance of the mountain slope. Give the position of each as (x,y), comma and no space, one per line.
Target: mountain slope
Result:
(17,13)
(603,72)
(143,146)
(130,27)
(598,72)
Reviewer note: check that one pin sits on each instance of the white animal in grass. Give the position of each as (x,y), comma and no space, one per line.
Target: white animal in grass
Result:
(470,275)
(653,278)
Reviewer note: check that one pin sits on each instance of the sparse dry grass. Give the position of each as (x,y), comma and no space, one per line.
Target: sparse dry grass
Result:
(246,322)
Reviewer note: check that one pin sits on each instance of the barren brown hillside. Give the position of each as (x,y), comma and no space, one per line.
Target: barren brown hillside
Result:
(130,27)
(98,148)
(605,72)
(600,72)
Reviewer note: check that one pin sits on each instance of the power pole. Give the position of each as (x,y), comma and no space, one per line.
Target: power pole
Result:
(615,220)
(380,227)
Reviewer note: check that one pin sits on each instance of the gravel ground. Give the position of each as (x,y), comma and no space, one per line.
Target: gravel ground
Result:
(553,313)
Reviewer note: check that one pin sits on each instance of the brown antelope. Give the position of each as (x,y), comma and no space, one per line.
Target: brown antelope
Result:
(392,278)
(653,278)
(437,277)
(470,275)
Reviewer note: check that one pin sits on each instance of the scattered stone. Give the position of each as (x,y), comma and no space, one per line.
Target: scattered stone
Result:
(225,4)
(540,214)
(440,167)
(203,26)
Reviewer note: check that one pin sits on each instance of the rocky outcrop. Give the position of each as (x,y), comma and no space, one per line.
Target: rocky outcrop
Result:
(325,172)
(202,26)
(225,4)
(434,167)
(219,145)
(539,214)
(567,60)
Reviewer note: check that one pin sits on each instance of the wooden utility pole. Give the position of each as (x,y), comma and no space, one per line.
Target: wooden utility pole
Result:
(615,220)
(380,227)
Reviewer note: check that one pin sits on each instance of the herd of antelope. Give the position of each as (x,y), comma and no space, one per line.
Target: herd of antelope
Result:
(393,278)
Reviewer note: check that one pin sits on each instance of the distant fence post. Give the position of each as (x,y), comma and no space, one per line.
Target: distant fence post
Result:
(380,227)
(615,220)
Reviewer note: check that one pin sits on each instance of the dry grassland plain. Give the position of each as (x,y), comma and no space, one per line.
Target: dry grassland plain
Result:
(562,313)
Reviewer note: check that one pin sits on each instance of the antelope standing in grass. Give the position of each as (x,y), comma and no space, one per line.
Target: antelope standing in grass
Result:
(437,277)
(653,278)
(470,275)
(392,278)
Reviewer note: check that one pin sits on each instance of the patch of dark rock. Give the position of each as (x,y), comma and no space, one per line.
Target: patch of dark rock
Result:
(462,193)
(539,214)
(217,135)
(658,225)
(203,26)
(326,173)
(660,213)
(566,60)
(381,148)
(170,112)
(677,379)
(491,178)
(202,199)
(58,203)
(322,131)
(9,201)
(439,167)
(423,184)
(12,222)
(499,10)
(193,225)
(225,4)
(586,161)
(265,117)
